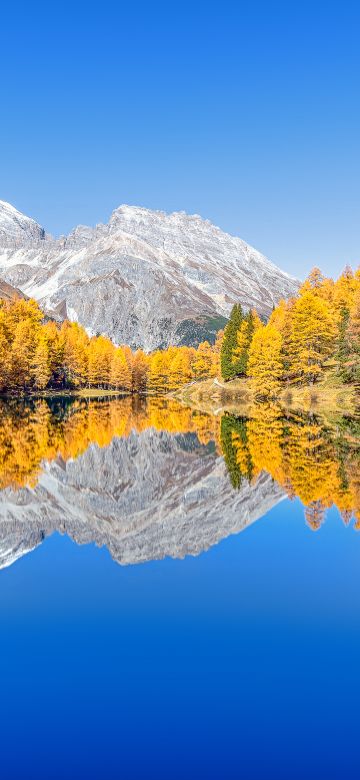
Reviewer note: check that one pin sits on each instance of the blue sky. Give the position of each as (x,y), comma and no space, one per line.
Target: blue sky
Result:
(246,113)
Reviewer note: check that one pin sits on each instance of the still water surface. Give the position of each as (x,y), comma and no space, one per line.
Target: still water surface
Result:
(227,642)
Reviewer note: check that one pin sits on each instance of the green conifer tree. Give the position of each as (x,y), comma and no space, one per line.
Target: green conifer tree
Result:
(343,344)
(229,344)
(244,337)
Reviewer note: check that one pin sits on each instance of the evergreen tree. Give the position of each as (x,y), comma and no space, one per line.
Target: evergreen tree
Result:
(343,345)
(250,323)
(229,344)
(353,334)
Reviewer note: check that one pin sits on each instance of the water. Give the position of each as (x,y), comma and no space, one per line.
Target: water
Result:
(239,656)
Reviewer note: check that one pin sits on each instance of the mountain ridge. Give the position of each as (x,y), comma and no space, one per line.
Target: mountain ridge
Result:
(146,278)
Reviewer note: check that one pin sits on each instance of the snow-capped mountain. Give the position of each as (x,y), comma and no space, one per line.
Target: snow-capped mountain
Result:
(16,227)
(147,278)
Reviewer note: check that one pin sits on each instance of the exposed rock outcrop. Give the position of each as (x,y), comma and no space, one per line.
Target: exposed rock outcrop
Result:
(146,278)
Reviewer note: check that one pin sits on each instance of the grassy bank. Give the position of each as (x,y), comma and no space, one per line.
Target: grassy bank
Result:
(329,398)
(215,396)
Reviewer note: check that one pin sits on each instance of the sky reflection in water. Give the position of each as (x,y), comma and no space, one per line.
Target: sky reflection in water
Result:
(240,662)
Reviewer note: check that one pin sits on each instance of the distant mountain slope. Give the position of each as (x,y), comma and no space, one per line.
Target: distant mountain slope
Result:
(146,278)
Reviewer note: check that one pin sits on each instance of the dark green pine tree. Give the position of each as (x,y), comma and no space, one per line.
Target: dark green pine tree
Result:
(240,357)
(228,370)
(343,345)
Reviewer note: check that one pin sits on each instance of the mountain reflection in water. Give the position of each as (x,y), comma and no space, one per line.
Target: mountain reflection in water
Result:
(153,478)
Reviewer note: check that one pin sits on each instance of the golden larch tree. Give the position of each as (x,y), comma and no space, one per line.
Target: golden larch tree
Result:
(312,339)
(120,374)
(264,365)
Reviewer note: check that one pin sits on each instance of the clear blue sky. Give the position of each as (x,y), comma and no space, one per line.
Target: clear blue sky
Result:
(247,113)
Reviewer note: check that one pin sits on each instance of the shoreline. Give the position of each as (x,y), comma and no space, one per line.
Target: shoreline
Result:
(329,398)
(83,393)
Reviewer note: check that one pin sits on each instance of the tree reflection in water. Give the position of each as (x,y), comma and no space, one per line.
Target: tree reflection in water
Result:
(318,464)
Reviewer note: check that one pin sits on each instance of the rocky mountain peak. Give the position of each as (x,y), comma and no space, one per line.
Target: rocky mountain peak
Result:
(147,278)
(16,228)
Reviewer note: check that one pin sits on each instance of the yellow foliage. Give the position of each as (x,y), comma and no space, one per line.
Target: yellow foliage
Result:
(264,366)
(312,336)
(317,330)
(30,435)
(303,457)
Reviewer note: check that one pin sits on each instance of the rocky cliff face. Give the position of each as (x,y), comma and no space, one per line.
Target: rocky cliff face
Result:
(145,497)
(9,293)
(17,229)
(146,278)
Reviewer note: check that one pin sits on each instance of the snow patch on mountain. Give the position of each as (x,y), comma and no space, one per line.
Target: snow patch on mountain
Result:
(146,278)
(16,227)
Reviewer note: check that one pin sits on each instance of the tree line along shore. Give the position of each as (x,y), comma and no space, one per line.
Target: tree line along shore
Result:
(315,334)
(317,463)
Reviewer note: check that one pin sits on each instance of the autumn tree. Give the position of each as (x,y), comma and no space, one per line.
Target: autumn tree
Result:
(22,353)
(158,378)
(313,283)
(139,371)
(4,349)
(216,354)
(180,371)
(312,338)
(55,342)
(120,375)
(76,342)
(203,361)
(318,331)
(264,364)
(100,354)
(343,291)
(40,368)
